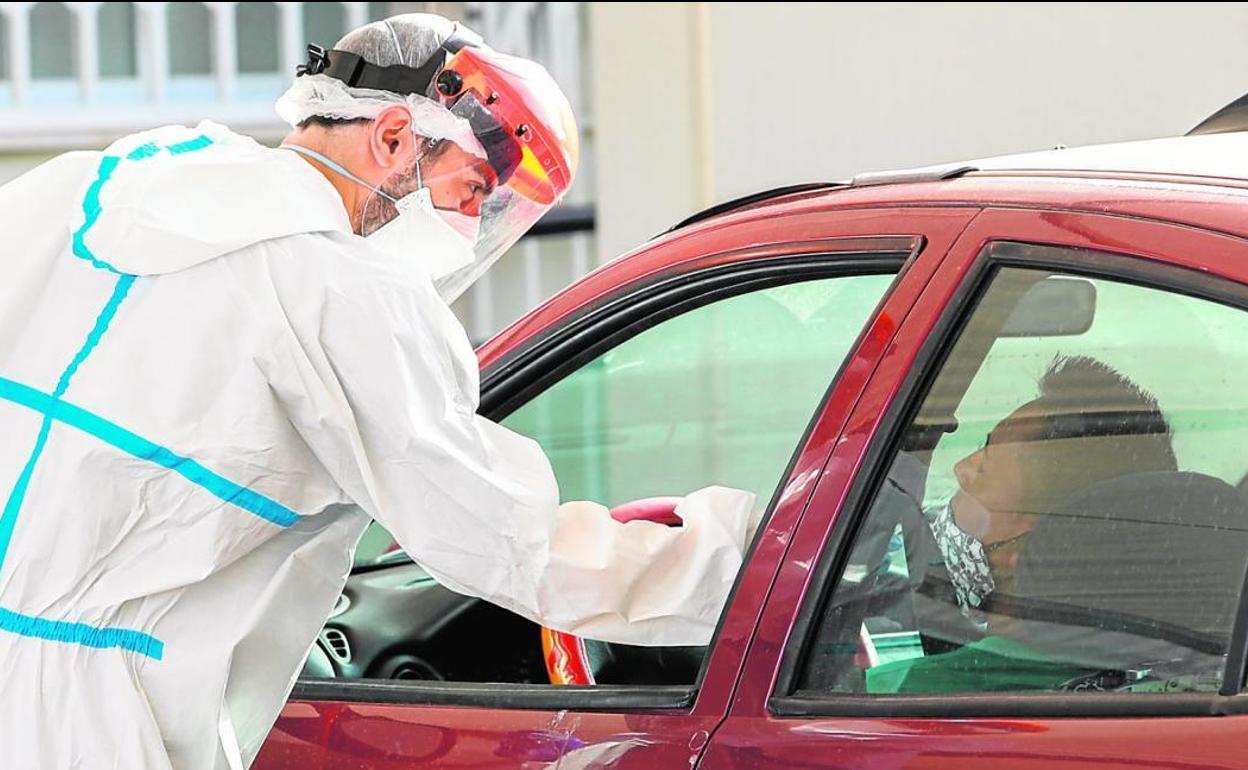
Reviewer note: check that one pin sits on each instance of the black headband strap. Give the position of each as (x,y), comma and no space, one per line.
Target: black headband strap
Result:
(357,72)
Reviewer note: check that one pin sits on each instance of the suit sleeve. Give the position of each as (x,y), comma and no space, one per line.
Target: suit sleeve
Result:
(385,393)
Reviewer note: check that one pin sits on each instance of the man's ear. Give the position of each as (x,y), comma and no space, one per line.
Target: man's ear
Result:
(392,142)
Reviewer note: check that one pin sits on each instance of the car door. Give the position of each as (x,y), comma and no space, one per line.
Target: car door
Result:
(1098,460)
(705,370)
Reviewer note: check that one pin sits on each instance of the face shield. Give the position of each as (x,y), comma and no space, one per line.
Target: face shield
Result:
(499,144)
(523,124)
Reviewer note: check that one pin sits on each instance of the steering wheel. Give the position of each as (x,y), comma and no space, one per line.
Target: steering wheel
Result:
(568,660)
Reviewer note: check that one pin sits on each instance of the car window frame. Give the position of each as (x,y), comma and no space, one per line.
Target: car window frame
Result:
(539,363)
(545,359)
(1096,261)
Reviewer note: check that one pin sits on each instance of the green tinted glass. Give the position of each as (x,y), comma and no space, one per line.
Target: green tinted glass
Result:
(718,395)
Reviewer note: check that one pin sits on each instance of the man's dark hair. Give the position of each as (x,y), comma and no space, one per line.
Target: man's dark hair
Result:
(432,150)
(324,122)
(1085,397)
(1091,423)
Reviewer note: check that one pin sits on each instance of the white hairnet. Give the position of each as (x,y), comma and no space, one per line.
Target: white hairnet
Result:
(408,39)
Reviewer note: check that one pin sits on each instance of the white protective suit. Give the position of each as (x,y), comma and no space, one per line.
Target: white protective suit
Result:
(208,385)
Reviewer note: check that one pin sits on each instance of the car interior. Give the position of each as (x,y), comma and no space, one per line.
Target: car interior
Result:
(395,622)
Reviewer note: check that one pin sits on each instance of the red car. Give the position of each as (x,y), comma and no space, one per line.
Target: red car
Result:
(1049,351)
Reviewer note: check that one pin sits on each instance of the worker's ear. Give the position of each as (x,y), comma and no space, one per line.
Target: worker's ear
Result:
(391,139)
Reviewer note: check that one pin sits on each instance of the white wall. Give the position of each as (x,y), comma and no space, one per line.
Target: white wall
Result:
(650,166)
(821,91)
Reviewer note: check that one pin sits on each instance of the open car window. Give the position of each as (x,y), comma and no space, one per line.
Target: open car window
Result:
(1063,513)
(717,395)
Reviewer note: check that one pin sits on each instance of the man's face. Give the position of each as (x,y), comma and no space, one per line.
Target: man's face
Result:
(458,180)
(992,481)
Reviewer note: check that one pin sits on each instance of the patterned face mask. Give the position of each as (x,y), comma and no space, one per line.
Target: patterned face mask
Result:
(965,558)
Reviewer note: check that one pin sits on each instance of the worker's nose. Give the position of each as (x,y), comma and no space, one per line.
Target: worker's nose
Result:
(470,202)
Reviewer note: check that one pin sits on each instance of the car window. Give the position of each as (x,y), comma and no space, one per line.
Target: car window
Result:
(718,395)
(1062,513)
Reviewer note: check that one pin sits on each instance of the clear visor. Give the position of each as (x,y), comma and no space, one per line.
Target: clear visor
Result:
(500,153)
(469,186)
(462,187)
(505,217)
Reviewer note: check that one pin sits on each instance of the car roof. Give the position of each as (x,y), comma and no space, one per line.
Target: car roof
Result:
(1217,156)
(1217,159)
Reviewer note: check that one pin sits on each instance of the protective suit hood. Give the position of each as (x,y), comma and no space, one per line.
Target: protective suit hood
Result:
(152,203)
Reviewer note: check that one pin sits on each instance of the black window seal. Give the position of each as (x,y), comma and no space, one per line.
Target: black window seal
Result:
(547,360)
(1090,262)
(1018,705)
(494,695)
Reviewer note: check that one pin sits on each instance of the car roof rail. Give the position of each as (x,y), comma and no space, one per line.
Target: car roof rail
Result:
(1232,117)
(905,175)
(926,174)
(747,200)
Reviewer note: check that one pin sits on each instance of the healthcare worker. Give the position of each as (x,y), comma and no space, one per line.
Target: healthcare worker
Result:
(219,361)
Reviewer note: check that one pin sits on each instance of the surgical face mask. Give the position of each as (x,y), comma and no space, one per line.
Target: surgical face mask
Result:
(418,231)
(468,227)
(965,559)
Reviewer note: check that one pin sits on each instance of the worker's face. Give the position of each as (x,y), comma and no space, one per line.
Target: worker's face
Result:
(458,180)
